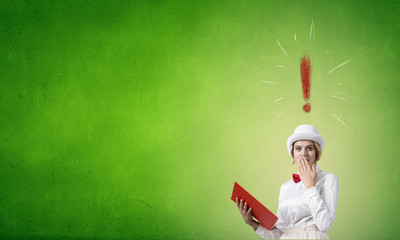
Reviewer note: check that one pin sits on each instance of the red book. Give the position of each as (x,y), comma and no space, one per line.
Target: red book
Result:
(259,212)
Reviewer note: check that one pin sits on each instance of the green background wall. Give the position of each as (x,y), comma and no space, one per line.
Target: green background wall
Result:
(132,120)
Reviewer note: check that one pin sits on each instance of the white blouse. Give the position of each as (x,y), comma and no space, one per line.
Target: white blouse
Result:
(299,206)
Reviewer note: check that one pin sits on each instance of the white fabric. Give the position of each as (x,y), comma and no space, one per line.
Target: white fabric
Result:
(303,232)
(299,206)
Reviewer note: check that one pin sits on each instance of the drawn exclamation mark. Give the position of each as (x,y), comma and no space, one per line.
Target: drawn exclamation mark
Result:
(305,71)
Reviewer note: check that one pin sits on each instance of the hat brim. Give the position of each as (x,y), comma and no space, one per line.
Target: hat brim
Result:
(305,136)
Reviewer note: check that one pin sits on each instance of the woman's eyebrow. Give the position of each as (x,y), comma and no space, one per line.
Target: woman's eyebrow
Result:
(305,146)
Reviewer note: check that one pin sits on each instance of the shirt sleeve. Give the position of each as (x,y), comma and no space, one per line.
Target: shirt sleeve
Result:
(323,205)
(264,233)
(276,233)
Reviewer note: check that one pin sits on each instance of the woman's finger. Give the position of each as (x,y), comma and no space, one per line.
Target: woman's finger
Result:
(314,168)
(244,206)
(249,211)
(307,166)
(300,166)
(237,202)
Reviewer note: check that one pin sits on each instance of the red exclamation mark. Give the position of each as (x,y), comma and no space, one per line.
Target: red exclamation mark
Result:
(305,71)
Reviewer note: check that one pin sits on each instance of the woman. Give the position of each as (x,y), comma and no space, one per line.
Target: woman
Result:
(307,203)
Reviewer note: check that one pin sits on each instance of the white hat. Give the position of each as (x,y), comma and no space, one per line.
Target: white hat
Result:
(305,132)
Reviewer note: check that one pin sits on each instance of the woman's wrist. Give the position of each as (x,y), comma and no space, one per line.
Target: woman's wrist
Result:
(254,224)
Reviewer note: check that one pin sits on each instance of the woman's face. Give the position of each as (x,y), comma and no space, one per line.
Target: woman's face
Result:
(304,148)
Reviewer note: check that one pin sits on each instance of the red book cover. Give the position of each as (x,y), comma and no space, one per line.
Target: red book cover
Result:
(259,212)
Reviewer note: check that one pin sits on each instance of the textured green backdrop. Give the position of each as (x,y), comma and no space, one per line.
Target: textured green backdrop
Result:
(132,120)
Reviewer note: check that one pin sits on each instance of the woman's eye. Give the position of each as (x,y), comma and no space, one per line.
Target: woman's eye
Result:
(309,148)
(298,149)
